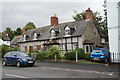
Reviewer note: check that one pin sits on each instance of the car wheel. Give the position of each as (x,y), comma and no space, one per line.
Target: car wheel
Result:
(91,60)
(106,60)
(4,63)
(18,64)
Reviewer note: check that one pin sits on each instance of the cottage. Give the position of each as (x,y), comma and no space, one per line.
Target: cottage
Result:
(5,39)
(14,42)
(67,36)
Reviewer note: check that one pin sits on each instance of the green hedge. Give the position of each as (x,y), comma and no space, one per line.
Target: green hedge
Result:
(4,49)
(87,56)
(46,55)
(71,55)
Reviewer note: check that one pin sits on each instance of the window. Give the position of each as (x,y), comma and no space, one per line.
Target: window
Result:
(35,36)
(25,48)
(24,37)
(102,40)
(53,33)
(14,54)
(30,48)
(37,47)
(8,54)
(67,31)
(95,33)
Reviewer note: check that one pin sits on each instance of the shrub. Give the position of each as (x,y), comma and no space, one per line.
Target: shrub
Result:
(29,53)
(80,52)
(39,56)
(71,55)
(4,49)
(87,56)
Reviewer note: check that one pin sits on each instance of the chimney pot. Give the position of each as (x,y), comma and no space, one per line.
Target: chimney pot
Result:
(89,14)
(54,20)
(24,30)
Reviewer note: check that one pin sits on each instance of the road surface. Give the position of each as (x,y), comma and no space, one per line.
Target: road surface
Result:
(60,70)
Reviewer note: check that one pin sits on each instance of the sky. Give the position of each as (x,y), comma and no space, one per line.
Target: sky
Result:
(17,13)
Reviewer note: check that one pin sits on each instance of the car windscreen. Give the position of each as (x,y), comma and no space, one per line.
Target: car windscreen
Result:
(97,51)
(22,54)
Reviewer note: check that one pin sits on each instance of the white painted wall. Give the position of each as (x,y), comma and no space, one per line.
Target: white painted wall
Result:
(4,42)
(119,27)
(112,16)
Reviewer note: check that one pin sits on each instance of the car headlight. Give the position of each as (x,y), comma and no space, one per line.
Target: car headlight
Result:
(24,59)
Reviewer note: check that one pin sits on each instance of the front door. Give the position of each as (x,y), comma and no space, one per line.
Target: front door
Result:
(88,48)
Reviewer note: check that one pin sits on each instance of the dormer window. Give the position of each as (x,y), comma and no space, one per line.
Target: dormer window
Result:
(24,37)
(67,31)
(53,33)
(95,32)
(35,36)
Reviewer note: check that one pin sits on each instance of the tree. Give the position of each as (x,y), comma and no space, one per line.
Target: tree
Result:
(79,16)
(55,51)
(30,25)
(10,33)
(18,31)
(105,30)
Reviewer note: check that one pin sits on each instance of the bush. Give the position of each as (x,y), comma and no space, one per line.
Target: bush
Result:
(39,56)
(71,55)
(87,56)
(4,49)
(29,53)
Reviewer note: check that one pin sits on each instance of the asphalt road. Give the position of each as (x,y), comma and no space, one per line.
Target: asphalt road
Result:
(60,70)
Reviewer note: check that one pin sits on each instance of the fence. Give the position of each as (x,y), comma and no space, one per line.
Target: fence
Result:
(114,57)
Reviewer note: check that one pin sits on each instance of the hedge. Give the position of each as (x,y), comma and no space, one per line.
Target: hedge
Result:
(71,55)
(87,56)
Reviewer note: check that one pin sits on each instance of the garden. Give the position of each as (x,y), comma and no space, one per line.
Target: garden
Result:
(55,54)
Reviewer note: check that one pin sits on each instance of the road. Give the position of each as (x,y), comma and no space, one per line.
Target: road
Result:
(60,70)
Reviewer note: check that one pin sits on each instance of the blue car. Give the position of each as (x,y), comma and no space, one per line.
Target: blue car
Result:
(100,54)
(18,58)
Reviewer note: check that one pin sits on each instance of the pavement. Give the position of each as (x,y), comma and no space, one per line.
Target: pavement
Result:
(60,70)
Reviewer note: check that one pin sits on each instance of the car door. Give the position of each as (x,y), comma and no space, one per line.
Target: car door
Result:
(13,57)
(7,57)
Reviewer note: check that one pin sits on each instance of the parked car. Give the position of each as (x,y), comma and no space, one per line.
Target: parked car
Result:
(18,58)
(100,54)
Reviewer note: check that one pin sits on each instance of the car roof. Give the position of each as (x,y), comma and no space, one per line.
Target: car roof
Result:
(100,48)
(15,52)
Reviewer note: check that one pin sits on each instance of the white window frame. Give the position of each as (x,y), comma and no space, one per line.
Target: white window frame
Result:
(24,37)
(86,49)
(67,31)
(53,34)
(35,36)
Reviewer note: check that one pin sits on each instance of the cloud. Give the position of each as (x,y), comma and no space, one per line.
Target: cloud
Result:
(17,14)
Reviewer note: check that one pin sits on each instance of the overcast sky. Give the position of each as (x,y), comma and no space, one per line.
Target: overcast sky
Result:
(17,14)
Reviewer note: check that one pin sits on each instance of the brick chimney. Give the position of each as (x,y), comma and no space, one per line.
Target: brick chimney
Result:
(54,20)
(24,30)
(89,14)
